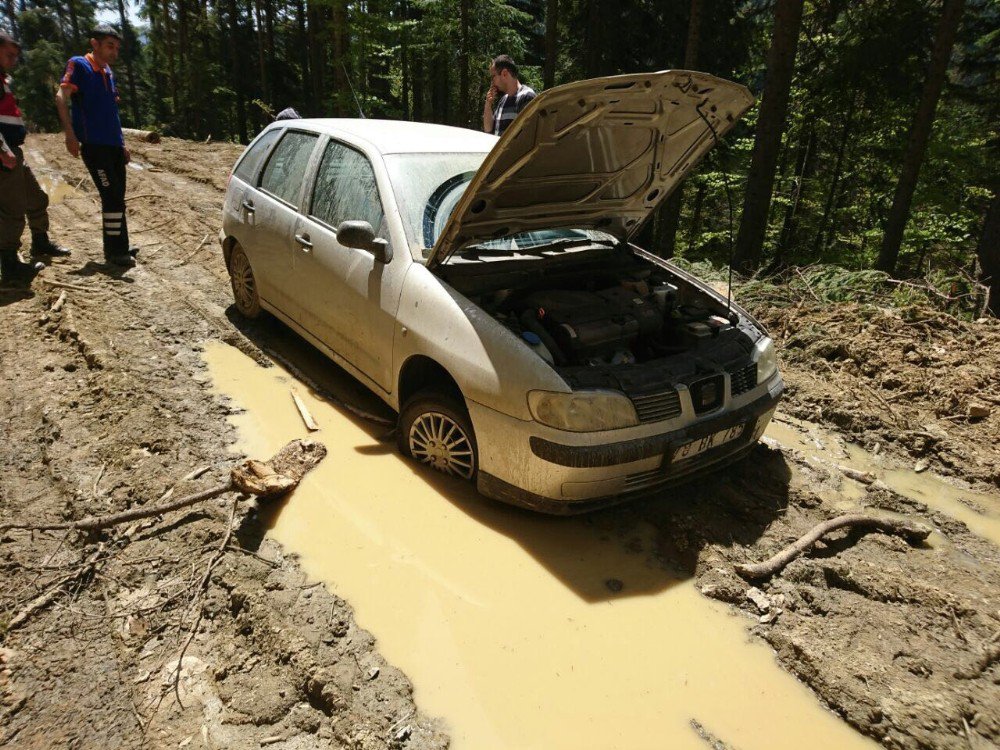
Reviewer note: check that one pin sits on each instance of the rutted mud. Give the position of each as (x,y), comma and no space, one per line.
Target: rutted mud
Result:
(105,404)
(980,511)
(520,630)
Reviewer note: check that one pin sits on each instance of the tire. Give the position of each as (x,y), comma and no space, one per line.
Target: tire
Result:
(244,284)
(435,430)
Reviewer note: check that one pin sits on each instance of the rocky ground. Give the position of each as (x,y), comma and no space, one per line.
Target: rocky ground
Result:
(106,405)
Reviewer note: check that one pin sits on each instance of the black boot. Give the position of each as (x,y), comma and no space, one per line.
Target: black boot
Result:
(42,245)
(124,260)
(14,271)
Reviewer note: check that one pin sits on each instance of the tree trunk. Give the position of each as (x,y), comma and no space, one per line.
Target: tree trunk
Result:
(699,201)
(168,32)
(235,77)
(669,214)
(130,50)
(989,252)
(592,40)
(74,21)
(770,127)
(838,170)
(317,59)
(463,63)
(305,81)
(262,54)
(920,132)
(12,16)
(791,220)
(551,43)
(342,86)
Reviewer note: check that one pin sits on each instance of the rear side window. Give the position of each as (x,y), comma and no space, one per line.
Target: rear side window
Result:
(345,188)
(286,168)
(249,165)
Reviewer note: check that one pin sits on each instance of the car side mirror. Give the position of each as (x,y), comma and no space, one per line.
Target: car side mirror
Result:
(360,234)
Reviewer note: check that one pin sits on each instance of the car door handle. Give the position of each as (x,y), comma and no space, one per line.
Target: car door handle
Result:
(248,206)
(303,239)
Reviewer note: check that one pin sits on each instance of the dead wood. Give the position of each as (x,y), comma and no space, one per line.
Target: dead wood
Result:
(911,532)
(264,479)
(147,136)
(43,600)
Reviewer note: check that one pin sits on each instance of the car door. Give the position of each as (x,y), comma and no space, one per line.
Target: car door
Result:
(274,206)
(238,214)
(349,297)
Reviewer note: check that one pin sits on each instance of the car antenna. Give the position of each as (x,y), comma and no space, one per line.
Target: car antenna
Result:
(729,200)
(353,92)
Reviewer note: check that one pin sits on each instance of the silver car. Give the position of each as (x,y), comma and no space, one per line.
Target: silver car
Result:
(488,291)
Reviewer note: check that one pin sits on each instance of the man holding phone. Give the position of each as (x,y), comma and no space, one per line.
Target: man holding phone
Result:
(506,97)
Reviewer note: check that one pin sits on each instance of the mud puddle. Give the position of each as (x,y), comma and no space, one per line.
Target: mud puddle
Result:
(519,630)
(979,511)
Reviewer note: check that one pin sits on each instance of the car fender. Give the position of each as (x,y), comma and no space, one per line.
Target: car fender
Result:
(490,364)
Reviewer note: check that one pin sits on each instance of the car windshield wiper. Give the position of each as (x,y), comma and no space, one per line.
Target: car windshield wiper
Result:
(537,250)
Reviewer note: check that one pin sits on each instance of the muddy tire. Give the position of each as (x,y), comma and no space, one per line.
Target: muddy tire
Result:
(435,429)
(244,284)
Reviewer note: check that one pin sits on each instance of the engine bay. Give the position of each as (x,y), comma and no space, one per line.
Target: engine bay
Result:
(621,322)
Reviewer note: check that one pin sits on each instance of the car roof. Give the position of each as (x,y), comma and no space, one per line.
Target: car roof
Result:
(401,136)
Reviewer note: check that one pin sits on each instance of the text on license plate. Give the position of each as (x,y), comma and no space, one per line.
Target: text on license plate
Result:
(709,441)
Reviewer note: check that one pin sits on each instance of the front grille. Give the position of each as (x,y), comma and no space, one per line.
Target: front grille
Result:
(743,380)
(655,407)
(642,479)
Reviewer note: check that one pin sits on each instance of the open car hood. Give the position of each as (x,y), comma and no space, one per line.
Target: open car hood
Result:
(597,154)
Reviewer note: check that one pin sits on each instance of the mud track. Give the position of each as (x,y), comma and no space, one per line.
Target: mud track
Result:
(106,405)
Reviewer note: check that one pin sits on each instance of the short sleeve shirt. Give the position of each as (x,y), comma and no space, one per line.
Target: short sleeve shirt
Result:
(95,101)
(510,107)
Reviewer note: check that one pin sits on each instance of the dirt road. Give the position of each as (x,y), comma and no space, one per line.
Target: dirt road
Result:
(106,405)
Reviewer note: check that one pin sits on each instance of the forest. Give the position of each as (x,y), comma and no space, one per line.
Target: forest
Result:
(868,165)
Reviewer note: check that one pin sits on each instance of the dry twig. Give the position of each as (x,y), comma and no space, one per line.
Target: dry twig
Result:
(911,532)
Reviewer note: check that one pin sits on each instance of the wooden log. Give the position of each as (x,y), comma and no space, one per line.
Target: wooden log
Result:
(912,532)
(147,136)
(266,480)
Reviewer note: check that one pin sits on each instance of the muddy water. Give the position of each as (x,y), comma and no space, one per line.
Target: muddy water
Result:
(979,511)
(56,189)
(504,620)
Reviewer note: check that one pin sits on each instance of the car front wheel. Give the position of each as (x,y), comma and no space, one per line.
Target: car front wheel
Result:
(244,284)
(435,430)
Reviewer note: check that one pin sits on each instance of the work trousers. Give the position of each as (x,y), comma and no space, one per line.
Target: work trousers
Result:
(20,196)
(106,165)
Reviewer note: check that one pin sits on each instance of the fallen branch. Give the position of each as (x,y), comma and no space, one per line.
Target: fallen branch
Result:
(911,532)
(64,285)
(55,590)
(264,479)
(57,305)
(200,246)
(307,418)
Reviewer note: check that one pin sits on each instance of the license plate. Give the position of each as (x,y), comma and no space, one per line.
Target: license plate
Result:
(709,441)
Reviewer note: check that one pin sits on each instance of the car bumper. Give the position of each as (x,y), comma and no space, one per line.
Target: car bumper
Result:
(522,468)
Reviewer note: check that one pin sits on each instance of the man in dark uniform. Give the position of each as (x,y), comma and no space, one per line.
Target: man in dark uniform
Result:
(95,132)
(20,193)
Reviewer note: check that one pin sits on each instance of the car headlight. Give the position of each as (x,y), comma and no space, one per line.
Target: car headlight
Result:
(582,411)
(767,359)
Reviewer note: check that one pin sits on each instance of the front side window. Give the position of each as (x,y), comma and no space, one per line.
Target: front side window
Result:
(286,168)
(345,188)
(249,165)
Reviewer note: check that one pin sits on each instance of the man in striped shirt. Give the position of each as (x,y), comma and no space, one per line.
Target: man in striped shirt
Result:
(506,98)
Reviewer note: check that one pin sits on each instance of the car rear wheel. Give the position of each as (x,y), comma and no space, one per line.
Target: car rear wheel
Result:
(244,284)
(435,429)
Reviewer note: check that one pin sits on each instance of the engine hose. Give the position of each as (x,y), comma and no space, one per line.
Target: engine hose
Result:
(531,322)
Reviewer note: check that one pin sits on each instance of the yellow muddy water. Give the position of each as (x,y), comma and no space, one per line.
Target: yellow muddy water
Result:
(56,189)
(977,510)
(503,619)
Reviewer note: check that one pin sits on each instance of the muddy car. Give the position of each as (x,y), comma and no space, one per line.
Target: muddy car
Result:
(488,289)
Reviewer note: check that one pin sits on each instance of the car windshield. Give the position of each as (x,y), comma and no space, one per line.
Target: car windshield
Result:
(429,186)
